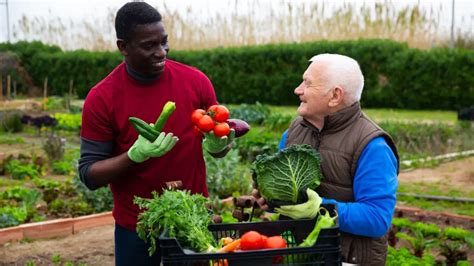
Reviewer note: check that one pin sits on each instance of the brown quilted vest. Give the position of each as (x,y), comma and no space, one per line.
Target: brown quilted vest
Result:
(340,143)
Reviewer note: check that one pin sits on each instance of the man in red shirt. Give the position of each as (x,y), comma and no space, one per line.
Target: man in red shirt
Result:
(111,151)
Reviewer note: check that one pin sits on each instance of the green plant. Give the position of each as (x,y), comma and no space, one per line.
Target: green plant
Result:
(68,122)
(427,229)
(71,207)
(11,139)
(257,141)
(455,233)
(182,214)
(8,219)
(278,122)
(286,175)
(20,170)
(30,263)
(417,140)
(226,177)
(56,259)
(54,103)
(54,147)
(401,223)
(63,167)
(453,251)
(418,242)
(403,256)
(18,205)
(10,121)
(12,216)
(50,188)
(250,113)
(100,199)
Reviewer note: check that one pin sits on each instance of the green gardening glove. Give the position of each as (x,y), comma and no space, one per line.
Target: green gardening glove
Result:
(213,144)
(143,149)
(307,210)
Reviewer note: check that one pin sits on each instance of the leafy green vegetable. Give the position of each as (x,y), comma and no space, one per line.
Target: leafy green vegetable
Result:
(182,214)
(324,221)
(403,256)
(286,175)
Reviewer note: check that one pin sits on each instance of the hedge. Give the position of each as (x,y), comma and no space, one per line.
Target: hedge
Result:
(395,76)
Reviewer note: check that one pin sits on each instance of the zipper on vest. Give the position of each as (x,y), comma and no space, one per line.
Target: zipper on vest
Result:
(317,136)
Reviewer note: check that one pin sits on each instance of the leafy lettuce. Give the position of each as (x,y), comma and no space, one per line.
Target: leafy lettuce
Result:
(285,175)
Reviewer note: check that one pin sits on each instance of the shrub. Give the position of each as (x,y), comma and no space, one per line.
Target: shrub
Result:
(251,113)
(100,199)
(54,147)
(54,103)
(423,139)
(71,207)
(10,121)
(226,176)
(278,122)
(69,122)
(257,141)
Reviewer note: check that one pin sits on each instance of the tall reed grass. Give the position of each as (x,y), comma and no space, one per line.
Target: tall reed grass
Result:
(263,23)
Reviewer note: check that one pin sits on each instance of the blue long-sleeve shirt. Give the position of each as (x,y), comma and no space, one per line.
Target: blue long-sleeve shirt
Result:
(374,187)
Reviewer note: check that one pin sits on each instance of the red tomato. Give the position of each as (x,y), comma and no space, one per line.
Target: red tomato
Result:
(221,129)
(205,124)
(219,113)
(197,114)
(275,242)
(251,240)
(197,132)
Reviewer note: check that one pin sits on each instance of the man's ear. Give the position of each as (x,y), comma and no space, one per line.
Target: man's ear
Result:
(122,46)
(337,97)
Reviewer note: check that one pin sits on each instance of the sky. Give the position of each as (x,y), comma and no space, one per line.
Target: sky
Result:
(94,10)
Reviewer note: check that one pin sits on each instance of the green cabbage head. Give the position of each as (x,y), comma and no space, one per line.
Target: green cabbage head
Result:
(285,175)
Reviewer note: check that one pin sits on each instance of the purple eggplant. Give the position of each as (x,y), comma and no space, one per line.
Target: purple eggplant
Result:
(240,126)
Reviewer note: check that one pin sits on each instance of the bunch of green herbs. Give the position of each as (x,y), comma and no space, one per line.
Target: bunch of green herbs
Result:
(183,215)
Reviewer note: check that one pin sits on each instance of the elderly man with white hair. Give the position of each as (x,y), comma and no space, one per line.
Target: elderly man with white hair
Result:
(359,161)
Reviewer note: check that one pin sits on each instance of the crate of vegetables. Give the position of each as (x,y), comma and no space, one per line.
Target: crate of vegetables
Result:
(283,242)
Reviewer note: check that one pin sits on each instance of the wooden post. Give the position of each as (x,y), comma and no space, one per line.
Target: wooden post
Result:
(71,85)
(45,88)
(9,86)
(14,89)
(1,87)
(69,96)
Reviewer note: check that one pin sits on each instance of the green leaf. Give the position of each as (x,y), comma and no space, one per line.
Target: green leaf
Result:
(286,175)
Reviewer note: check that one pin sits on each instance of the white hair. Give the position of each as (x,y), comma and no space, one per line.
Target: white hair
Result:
(342,71)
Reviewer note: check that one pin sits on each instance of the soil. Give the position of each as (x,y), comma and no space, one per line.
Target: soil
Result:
(92,247)
(96,246)
(457,175)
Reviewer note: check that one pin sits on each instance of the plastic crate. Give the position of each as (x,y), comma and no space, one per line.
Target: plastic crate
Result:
(326,251)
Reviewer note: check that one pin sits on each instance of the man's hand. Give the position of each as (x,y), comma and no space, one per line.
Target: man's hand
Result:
(213,144)
(143,149)
(307,210)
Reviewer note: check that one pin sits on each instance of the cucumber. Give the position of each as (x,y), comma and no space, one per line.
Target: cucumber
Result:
(143,128)
(168,109)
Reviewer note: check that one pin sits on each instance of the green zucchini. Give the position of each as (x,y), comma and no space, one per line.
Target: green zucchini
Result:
(143,128)
(168,109)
